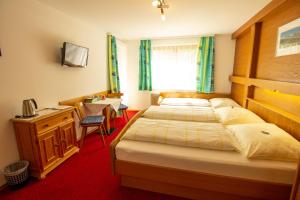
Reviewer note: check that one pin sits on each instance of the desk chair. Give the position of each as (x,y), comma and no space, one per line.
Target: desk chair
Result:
(89,121)
(123,108)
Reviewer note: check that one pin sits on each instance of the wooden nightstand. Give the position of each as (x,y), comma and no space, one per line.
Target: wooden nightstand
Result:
(46,140)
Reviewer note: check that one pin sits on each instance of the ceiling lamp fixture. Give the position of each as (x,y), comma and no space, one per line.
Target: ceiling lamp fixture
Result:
(161,4)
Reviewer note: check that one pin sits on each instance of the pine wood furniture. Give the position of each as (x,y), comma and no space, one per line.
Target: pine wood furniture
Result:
(295,195)
(106,110)
(46,140)
(190,184)
(123,108)
(89,121)
(156,98)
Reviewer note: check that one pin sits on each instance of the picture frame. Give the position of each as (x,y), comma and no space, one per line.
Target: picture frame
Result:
(288,39)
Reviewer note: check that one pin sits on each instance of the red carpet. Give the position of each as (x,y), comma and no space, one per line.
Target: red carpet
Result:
(86,175)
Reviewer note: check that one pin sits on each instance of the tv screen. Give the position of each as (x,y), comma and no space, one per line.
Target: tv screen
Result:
(74,55)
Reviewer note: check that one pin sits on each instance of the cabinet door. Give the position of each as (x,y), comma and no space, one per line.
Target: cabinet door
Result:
(67,137)
(49,147)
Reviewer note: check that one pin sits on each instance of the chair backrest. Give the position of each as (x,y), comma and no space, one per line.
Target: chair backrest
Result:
(80,110)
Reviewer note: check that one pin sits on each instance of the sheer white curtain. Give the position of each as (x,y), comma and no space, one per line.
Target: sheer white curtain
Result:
(174,67)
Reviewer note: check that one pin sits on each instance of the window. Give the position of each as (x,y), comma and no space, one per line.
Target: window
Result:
(174,67)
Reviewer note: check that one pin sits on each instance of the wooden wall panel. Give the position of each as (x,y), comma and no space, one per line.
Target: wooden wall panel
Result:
(242,54)
(267,86)
(284,68)
(237,92)
(288,103)
(275,117)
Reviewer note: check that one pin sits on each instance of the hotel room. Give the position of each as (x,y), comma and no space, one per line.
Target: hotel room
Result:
(150,99)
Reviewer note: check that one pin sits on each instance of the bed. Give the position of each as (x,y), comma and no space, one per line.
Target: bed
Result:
(184,113)
(198,173)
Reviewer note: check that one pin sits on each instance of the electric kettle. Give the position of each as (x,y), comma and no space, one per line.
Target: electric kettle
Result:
(29,108)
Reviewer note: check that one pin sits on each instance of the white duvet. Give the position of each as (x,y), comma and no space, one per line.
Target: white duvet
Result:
(182,113)
(189,134)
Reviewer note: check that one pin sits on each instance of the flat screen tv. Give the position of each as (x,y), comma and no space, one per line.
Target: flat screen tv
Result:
(74,55)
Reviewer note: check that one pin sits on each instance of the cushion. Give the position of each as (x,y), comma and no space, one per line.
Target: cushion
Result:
(237,115)
(223,102)
(265,141)
(97,119)
(185,102)
(123,107)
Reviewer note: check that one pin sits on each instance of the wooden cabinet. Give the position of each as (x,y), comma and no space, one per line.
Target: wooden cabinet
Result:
(46,140)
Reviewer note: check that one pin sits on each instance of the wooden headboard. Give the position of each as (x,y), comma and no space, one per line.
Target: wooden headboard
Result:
(263,83)
(156,97)
(191,95)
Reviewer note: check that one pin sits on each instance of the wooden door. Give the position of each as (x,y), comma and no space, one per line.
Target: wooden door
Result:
(49,147)
(67,137)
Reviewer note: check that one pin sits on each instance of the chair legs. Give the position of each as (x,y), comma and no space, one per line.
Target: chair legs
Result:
(114,115)
(125,114)
(102,132)
(83,134)
(84,131)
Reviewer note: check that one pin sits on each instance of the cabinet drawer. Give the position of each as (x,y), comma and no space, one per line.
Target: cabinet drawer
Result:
(48,123)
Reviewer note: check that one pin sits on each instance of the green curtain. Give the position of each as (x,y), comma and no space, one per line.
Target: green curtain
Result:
(145,78)
(205,65)
(113,64)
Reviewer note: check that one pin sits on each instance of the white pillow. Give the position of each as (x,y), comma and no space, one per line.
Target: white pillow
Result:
(237,115)
(265,141)
(223,102)
(185,102)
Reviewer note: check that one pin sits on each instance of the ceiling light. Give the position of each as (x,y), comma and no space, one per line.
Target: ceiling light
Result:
(161,4)
(163,17)
(155,3)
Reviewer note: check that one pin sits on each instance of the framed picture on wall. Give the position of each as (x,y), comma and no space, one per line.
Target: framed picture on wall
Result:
(288,39)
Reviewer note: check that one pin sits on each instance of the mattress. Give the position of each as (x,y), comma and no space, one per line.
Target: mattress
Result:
(226,163)
(182,113)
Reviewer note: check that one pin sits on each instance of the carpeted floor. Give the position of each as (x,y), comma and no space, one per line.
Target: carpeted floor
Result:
(86,175)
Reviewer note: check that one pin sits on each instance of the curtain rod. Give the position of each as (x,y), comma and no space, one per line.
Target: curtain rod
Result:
(166,37)
(177,37)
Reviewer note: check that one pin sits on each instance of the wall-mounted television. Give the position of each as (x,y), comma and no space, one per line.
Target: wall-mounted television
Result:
(74,55)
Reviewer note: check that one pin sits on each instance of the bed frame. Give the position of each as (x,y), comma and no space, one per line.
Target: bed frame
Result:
(157,98)
(190,184)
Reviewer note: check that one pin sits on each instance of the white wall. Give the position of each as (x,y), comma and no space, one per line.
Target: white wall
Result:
(30,39)
(136,99)
(224,58)
(224,51)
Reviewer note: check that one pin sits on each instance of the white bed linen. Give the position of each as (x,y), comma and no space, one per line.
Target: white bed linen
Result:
(189,134)
(182,113)
(185,102)
(227,163)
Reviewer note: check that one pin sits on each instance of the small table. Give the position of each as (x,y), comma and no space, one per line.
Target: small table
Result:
(105,105)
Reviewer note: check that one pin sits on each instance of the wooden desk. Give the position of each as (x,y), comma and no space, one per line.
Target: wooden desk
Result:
(106,110)
(106,105)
